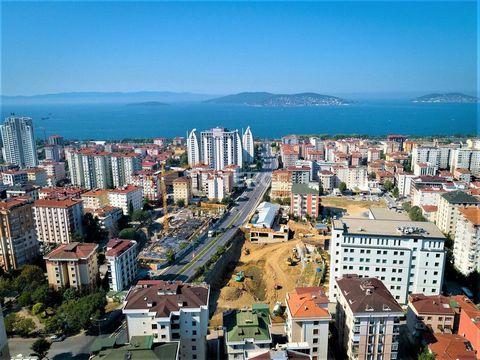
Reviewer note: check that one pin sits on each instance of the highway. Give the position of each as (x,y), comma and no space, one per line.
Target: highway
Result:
(185,268)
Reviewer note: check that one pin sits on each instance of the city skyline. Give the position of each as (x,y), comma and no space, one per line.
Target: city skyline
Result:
(325,47)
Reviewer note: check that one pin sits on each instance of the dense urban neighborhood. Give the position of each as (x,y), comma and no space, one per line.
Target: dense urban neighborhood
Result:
(221,245)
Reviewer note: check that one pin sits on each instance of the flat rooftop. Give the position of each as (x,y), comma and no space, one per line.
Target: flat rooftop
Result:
(388,228)
(379,213)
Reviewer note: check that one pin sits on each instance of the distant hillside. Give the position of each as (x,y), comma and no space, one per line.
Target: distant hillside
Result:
(106,97)
(279,100)
(446,98)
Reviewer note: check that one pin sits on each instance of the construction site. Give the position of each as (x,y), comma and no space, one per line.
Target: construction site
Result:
(266,272)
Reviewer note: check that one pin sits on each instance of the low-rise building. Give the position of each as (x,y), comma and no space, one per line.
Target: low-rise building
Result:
(424,168)
(56,221)
(121,256)
(23,190)
(247,330)
(265,226)
(367,318)
(462,174)
(433,313)
(326,179)
(171,312)
(182,190)
(70,192)
(95,199)
(72,265)
(108,217)
(18,241)
(126,198)
(451,347)
(307,320)
(469,323)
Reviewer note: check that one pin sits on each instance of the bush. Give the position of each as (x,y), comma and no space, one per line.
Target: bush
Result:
(38,308)
(17,324)
(40,347)
(128,233)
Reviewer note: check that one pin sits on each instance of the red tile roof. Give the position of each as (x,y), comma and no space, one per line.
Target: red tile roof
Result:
(451,347)
(57,203)
(308,302)
(72,251)
(116,247)
(434,304)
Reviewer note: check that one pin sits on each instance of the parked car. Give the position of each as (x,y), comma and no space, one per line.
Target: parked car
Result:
(57,338)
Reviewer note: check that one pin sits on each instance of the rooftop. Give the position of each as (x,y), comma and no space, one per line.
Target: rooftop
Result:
(379,213)
(472,214)
(116,247)
(434,304)
(451,347)
(57,203)
(308,302)
(163,297)
(124,190)
(303,189)
(72,251)
(96,193)
(365,295)
(397,228)
(460,197)
(247,324)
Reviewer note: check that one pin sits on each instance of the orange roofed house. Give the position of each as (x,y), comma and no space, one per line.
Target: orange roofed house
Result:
(307,321)
(72,265)
(469,325)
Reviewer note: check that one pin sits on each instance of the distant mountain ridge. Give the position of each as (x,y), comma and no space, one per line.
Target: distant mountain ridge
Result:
(279,100)
(451,98)
(106,97)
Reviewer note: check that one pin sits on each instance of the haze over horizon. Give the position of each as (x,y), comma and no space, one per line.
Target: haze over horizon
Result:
(332,48)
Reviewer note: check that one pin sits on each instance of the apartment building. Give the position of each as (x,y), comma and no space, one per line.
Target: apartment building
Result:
(215,187)
(307,320)
(247,330)
(440,157)
(427,196)
(55,171)
(407,256)
(248,146)
(23,190)
(121,257)
(70,192)
(469,323)
(300,174)
(171,312)
(37,176)
(353,177)
(281,184)
(18,241)
(124,166)
(424,168)
(72,265)
(327,181)
(467,159)
(150,182)
(18,141)
(462,174)
(290,154)
(448,214)
(433,313)
(14,177)
(56,221)
(108,217)
(466,247)
(95,199)
(182,190)
(126,198)
(403,182)
(304,200)
(367,318)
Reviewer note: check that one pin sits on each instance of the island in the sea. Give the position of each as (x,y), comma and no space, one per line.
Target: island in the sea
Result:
(448,98)
(279,100)
(148,103)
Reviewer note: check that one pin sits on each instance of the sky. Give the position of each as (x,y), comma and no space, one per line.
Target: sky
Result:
(220,48)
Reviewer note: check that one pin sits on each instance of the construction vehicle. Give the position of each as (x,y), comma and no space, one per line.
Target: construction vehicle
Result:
(165,203)
(290,261)
(239,276)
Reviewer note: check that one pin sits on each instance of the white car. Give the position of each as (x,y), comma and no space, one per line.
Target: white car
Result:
(57,338)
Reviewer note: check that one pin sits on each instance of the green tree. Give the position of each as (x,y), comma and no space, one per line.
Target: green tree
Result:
(388,185)
(395,193)
(415,214)
(17,324)
(93,233)
(123,222)
(38,308)
(372,176)
(184,159)
(170,255)
(342,187)
(10,320)
(140,216)
(128,233)
(266,197)
(426,355)
(227,200)
(181,203)
(31,277)
(130,208)
(41,347)
(77,237)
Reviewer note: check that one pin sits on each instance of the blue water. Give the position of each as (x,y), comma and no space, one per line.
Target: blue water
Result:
(118,121)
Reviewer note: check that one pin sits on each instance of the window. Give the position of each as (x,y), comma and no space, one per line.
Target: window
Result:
(315,331)
(315,341)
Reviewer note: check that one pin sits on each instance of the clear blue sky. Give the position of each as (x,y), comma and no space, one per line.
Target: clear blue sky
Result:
(219,48)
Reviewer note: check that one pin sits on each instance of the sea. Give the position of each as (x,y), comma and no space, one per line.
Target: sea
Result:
(120,121)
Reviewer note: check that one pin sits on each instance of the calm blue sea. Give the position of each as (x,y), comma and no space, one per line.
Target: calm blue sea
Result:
(118,121)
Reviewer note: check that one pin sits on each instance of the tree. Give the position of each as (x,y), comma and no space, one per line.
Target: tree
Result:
(180,203)
(41,347)
(227,200)
(93,233)
(266,197)
(170,254)
(426,355)
(31,277)
(130,208)
(140,216)
(320,189)
(77,237)
(128,233)
(415,214)
(17,324)
(342,187)
(388,185)
(372,176)
(395,193)
(123,222)
(184,159)
(38,308)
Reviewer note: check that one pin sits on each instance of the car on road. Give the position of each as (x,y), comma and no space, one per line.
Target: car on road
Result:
(57,338)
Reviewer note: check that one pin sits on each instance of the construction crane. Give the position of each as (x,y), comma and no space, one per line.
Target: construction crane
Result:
(165,203)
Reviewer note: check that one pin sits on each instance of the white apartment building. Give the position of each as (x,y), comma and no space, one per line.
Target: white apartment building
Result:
(407,256)
(14,177)
(18,140)
(150,182)
(56,221)
(367,319)
(95,199)
(403,181)
(353,177)
(427,196)
(307,320)
(37,176)
(126,197)
(437,156)
(326,179)
(215,187)
(466,248)
(300,174)
(467,159)
(448,205)
(424,168)
(170,311)
(216,148)
(55,171)
(121,256)
(248,146)
(124,166)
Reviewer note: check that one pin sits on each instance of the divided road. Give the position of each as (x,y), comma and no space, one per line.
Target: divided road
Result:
(185,268)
